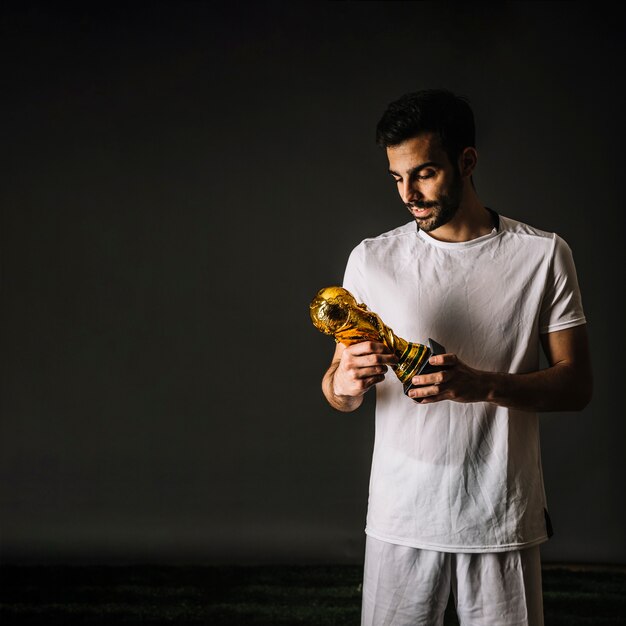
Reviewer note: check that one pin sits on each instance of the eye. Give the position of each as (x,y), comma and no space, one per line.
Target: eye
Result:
(425,175)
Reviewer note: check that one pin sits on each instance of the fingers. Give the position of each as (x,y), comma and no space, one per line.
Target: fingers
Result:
(446,360)
(368,354)
(361,366)
(368,347)
(372,360)
(432,386)
(357,373)
(372,380)
(433,399)
(431,393)
(456,382)
(436,378)
(349,383)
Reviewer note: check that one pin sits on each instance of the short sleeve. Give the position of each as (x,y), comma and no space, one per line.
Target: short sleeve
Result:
(561,306)
(353,279)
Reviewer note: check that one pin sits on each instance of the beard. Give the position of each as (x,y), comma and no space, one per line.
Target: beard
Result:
(443,209)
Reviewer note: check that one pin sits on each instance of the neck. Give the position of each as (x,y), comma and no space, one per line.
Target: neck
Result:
(471,221)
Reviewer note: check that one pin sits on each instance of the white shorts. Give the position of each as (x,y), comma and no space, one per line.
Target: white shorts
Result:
(403,586)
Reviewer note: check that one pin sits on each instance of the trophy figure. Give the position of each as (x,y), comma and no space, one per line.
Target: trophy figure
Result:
(335,312)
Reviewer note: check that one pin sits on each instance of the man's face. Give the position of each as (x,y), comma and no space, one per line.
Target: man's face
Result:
(429,185)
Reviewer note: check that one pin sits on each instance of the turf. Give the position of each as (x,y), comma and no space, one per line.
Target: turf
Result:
(260,595)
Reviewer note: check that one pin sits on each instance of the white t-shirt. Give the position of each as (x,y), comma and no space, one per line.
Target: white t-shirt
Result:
(451,476)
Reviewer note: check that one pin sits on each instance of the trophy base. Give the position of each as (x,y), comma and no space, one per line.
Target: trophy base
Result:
(434,348)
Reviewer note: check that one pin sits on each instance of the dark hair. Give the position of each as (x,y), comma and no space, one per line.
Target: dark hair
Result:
(429,110)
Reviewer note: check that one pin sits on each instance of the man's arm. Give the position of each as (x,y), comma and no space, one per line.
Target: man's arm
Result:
(353,371)
(566,385)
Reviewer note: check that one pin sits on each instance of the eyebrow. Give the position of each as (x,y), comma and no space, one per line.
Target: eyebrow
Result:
(417,168)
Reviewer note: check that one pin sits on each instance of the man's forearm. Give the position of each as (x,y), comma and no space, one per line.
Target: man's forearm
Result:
(557,388)
(341,403)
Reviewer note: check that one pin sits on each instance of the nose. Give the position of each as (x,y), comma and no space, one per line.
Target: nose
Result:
(407,192)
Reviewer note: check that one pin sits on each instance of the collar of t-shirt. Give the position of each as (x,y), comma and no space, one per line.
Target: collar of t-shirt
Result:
(464,244)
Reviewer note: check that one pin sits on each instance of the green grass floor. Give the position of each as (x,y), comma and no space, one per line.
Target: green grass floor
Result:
(316,595)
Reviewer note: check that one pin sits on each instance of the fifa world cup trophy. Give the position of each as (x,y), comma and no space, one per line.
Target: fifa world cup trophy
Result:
(335,312)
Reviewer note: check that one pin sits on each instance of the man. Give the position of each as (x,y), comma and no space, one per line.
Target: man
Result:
(456,489)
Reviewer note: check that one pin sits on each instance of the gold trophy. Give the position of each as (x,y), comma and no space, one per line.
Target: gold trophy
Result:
(335,312)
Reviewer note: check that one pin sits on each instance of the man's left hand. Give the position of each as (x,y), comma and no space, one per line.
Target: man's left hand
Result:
(458,382)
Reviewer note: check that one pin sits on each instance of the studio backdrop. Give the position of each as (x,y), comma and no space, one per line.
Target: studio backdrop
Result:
(180,178)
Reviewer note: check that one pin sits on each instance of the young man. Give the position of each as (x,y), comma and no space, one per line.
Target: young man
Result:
(456,489)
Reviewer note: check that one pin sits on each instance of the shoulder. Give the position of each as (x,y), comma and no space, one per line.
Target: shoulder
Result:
(377,256)
(519,229)
(517,232)
(399,237)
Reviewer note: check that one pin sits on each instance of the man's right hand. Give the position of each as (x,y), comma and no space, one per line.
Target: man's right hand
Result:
(361,366)
(353,371)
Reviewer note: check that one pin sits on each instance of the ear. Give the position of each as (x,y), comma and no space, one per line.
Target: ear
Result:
(467,161)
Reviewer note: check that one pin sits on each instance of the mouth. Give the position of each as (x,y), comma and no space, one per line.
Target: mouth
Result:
(420,213)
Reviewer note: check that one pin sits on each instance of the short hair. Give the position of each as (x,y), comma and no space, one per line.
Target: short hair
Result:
(429,110)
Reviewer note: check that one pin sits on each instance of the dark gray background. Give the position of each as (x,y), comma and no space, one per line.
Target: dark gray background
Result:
(179,179)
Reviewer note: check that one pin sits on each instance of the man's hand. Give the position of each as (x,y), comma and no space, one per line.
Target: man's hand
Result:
(458,382)
(353,371)
(361,366)
(566,385)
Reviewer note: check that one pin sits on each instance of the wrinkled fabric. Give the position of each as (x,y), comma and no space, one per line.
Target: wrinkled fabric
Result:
(451,476)
(405,586)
